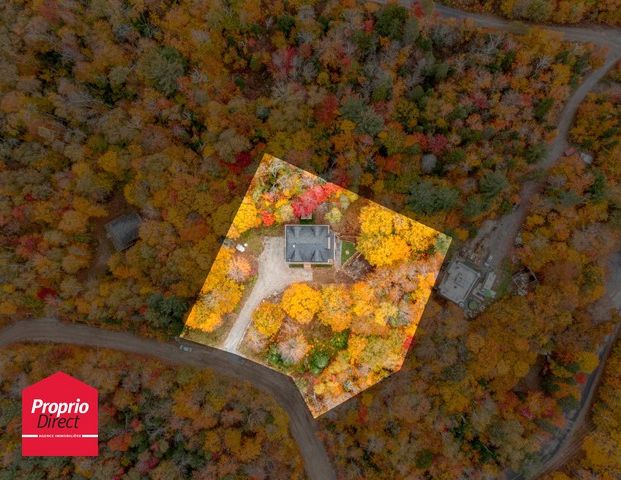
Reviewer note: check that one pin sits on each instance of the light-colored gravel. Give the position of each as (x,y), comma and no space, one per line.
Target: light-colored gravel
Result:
(274,276)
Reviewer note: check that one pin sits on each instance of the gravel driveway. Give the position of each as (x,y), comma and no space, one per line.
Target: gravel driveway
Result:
(274,275)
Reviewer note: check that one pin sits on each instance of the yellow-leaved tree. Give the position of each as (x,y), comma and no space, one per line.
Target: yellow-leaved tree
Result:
(202,319)
(247,217)
(301,302)
(419,237)
(335,310)
(219,295)
(267,318)
(363,299)
(376,220)
(387,237)
(355,347)
(381,250)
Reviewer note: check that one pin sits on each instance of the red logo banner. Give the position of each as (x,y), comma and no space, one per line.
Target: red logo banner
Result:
(60,418)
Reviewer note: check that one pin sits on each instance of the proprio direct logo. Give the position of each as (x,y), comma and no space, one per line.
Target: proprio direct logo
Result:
(60,417)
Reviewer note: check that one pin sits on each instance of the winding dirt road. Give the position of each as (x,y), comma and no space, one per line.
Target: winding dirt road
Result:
(510,224)
(571,441)
(605,36)
(301,423)
(610,38)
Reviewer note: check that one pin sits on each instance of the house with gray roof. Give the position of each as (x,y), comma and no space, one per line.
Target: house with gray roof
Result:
(458,282)
(310,244)
(123,231)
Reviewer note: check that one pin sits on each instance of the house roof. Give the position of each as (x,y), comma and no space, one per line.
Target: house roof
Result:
(123,231)
(458,282)
(309,244)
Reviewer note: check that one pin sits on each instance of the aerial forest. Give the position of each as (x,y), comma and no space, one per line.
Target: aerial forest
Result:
(165,108)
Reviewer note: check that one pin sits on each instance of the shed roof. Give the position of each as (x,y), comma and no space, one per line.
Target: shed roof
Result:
(309,244)
(123,231)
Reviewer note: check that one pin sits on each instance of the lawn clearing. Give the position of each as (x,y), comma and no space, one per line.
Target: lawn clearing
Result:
(347,250)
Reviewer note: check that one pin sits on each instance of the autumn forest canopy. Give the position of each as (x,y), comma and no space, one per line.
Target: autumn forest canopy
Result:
(164,109)
(155,420)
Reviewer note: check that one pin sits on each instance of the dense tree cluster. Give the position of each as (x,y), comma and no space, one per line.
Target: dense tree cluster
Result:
(601,448)
(220,294)
(598,128)
(387,238)
(489,394)
(164,108)
(155,421)
(337,339)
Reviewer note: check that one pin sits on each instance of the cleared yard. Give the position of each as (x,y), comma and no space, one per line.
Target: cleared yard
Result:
(347,250)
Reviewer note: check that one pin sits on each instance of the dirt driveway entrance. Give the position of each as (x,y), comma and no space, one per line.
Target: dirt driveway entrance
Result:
(274,275)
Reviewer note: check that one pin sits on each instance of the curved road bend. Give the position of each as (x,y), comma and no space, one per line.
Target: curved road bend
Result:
(608,37)
(303,427)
